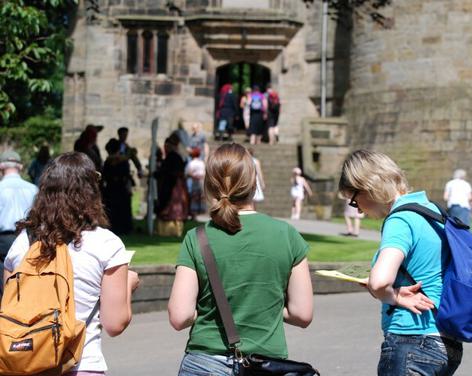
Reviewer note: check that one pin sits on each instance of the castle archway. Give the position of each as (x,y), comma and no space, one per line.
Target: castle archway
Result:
(240,75)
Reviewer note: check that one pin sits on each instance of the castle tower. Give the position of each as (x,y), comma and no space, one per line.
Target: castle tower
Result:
(411,89)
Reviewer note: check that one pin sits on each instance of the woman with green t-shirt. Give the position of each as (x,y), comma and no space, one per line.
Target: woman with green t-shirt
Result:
(262,265)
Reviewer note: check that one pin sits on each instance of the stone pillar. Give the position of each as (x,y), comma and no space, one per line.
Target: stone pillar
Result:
(75,84)
(324,150)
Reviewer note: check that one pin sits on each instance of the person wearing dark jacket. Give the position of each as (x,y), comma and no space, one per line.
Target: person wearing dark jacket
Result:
(226,112)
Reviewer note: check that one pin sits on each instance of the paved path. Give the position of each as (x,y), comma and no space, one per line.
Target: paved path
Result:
(320,227)
(328,228)
(344,339)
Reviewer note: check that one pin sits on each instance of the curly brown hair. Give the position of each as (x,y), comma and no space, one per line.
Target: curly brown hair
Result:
(68,202)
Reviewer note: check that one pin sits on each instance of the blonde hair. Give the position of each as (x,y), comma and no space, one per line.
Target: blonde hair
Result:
(230,182)
(374,173)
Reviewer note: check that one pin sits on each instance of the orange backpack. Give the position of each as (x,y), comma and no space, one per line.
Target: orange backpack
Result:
(39,333)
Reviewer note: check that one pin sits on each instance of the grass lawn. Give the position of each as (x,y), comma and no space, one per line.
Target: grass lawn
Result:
(158,250)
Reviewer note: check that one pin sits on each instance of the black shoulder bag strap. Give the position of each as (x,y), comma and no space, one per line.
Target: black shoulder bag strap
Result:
(95,308)
(222,304)
(92,314)
(432,217)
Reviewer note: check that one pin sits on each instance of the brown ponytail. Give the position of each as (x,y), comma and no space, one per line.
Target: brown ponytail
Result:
(230,182)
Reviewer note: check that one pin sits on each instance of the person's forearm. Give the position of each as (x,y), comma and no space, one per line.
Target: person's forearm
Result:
(386,294)
(187,323)
(128,302)
(295,320)
(289,319)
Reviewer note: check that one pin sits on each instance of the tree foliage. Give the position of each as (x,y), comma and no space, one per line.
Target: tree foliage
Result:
(341,10)
(33,39)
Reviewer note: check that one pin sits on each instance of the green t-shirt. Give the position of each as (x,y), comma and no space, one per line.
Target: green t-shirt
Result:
(254,266)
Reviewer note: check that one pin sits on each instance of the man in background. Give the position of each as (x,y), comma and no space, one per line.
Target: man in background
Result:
(128,151)
(458,194)
(16,199)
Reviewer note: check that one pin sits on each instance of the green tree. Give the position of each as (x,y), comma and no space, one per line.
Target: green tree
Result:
(33,40)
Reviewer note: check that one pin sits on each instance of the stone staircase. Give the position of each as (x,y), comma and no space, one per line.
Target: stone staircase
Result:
(277,162)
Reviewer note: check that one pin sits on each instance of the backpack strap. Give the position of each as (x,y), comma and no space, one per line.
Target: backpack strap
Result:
(92,314)
(428,214)
(432,217)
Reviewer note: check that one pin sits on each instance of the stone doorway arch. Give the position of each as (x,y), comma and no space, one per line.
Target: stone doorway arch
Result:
(241,75)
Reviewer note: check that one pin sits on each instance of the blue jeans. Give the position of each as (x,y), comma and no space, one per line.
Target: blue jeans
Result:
(222,125)
(459,212)
(196,364)
(418,355)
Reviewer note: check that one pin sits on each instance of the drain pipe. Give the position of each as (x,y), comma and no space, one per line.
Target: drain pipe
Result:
(324,44)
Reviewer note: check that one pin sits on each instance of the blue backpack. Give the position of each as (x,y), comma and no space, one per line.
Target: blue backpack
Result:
(454,314)
(256,102)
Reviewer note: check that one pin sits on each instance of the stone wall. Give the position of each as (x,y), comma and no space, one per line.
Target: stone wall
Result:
(411,93)
(156,283)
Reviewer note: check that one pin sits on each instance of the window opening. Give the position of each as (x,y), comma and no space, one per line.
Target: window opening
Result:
(162,41)
(132,58)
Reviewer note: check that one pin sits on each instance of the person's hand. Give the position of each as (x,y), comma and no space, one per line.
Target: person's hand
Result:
(133,280)
(410,298)
(365,282)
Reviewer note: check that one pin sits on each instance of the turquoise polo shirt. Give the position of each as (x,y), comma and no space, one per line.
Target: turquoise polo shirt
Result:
(426,253)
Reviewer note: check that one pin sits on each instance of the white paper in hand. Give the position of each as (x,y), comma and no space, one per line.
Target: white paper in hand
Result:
(341,276)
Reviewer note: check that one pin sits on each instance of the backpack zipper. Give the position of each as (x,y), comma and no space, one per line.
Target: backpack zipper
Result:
(54,327)
(17,286)
(56,313)
(56,332)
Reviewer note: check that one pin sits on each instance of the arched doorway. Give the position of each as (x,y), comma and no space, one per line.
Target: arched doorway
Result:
(241,75)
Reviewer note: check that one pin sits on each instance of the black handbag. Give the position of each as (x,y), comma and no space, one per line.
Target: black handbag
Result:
(251,364)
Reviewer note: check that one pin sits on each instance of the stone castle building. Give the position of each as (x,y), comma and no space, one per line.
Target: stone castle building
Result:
(405,90)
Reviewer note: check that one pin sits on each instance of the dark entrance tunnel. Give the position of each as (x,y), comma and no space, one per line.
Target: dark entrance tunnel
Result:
(241,76)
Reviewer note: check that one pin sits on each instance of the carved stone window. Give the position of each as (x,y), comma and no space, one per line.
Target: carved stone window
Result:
(146,52)
(162,39)
(132,56)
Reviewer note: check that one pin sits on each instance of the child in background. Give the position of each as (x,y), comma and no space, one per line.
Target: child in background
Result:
(299,186)
(353,220)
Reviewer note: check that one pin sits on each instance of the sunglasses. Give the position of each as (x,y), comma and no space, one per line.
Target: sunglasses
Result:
(353,201)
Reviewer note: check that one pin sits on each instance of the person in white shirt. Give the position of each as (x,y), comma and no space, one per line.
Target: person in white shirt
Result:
(68,209)
(195,171)
(16,198)
(458,194)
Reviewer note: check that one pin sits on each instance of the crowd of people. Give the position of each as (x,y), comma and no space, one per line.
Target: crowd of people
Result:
(117,180)
(67,208)
(259,112)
